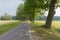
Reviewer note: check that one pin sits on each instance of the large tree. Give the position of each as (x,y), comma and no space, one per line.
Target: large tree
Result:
(50,14)
(29,9)
(34,7)
(49,5)
(20,12)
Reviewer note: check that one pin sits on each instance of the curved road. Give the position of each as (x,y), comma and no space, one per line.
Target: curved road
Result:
(20,32)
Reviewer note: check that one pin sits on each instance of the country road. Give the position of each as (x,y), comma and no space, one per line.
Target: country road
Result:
(20,32)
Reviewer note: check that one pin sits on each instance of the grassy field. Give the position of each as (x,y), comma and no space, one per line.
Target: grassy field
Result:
(7,21)
(47,34)
(7,25)
(55,24)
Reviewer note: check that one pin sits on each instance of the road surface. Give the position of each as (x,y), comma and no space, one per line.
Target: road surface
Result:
(20,32)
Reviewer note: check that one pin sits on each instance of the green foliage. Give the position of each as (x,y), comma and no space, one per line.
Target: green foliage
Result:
(57,3)
(43,4)
(6,17)
(20,12)
(29,9)
(32,9)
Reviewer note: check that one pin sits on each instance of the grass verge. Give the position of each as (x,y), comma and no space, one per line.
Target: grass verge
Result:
(7,27)
(45,34)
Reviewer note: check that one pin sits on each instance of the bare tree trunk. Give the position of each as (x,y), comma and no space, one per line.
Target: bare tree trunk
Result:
(50,14)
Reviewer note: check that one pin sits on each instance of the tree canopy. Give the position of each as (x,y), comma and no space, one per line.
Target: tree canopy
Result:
(33,8)
(20,12)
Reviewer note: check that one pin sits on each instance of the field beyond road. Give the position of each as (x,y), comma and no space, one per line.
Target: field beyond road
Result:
(6,21)
(55,24)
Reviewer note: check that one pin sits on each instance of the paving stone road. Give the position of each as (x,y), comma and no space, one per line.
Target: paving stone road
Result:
(20,32)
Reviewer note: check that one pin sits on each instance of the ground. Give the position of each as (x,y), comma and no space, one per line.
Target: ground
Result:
(20,32)
(46,34)
(32,31)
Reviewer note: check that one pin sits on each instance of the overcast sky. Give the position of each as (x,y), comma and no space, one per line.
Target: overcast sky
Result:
(57,12)
(10,7)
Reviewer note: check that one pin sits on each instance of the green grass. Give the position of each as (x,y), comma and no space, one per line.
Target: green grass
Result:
(6,27)
(46,34)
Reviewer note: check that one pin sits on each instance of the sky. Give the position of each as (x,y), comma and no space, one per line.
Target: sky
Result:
(10,7)
(57,12)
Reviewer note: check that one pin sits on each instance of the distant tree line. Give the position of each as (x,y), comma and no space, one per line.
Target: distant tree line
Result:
(45,17)
(7,17)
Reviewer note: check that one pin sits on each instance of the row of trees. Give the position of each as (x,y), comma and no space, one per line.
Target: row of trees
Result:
(31,8)
(20,12)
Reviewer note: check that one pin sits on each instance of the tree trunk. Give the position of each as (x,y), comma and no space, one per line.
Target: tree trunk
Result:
(50,14)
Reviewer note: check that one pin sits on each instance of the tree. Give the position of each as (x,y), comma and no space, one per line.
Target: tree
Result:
(20,12)
(49,5)
(32,8)
(50,14)
(29,9)
(6,17)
